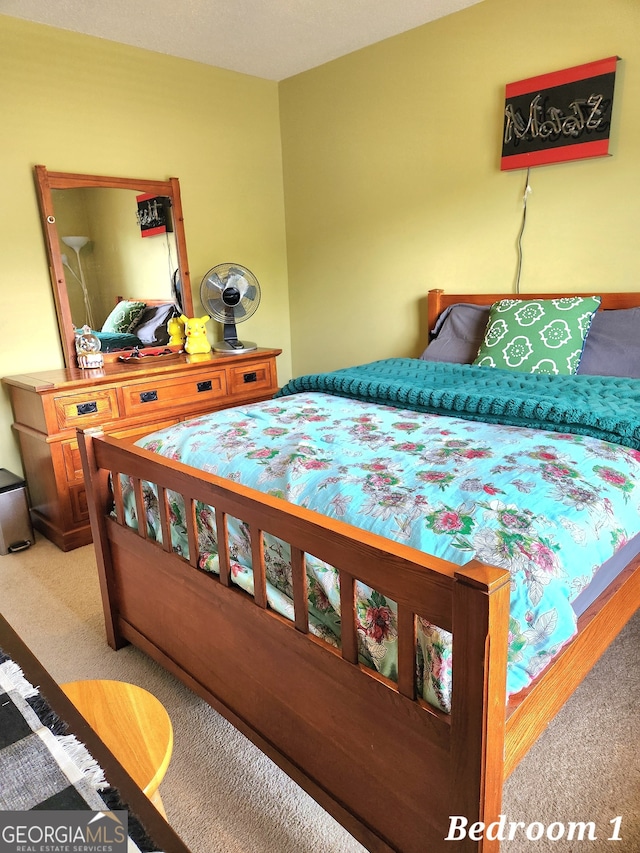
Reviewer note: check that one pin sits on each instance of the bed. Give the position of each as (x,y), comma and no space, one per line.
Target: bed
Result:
(388,758)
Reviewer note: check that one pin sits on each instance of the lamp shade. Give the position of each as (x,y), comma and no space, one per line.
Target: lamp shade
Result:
(75,243)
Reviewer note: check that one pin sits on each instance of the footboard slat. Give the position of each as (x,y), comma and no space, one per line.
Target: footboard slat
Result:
(118,500)
(258,566)
(163,508)
(406,652)
(140,507)
(222,535)
(192,530)
(348,634)
(300,587)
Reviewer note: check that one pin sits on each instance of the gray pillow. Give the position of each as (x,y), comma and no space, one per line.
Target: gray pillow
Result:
(151,325)
(458,333)
(612,347)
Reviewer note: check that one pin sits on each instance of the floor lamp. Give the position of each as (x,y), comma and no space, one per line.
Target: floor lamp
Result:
(77,244)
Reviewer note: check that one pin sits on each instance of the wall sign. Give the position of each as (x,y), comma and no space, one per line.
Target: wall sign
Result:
(553,118)
(152,214)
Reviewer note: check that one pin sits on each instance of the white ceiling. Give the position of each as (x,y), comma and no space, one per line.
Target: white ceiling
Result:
(273,39)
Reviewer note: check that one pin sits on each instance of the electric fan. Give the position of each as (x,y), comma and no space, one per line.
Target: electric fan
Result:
(230,294)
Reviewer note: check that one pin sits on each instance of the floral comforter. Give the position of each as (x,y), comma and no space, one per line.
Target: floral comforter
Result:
(550,507)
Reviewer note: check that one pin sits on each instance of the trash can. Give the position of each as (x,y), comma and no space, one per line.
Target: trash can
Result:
(16,532)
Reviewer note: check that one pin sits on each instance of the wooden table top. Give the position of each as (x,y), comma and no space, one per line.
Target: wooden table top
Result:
(132,722)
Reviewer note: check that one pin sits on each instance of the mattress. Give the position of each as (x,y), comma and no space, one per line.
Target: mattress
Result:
(553,508)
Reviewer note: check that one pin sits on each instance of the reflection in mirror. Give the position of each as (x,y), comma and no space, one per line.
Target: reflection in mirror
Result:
(112,239)
(96,274)
(77,244)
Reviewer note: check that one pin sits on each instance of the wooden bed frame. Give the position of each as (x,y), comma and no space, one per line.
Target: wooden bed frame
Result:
(390,768)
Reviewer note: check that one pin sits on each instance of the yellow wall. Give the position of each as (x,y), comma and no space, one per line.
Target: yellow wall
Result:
(81,104)
(391,175)
(393,184)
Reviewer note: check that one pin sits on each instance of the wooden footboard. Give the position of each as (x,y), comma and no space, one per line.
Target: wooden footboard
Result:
(385,764)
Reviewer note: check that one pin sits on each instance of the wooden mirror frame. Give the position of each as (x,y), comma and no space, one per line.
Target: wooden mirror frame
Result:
(47,181)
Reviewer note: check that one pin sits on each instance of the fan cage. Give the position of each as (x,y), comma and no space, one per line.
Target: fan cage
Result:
(230,294)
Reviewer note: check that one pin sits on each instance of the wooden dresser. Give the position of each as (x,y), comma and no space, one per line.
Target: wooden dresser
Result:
(124,399)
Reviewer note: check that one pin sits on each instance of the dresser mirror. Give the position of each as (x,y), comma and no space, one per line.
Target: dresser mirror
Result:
(112,239)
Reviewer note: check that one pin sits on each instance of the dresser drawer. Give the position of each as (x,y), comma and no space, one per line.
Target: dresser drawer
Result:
(186,392)
(250,380)
(87,409)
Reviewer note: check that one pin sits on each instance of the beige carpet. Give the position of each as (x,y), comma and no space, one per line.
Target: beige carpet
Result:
(223,796)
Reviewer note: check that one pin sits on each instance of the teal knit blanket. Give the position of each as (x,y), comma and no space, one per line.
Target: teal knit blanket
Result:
(605,407)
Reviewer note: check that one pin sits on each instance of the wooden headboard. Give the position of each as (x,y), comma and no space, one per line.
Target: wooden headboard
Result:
(145,300)
(439,300)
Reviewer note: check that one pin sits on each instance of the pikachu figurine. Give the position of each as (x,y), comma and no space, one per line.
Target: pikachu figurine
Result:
(196,334)
(175,327)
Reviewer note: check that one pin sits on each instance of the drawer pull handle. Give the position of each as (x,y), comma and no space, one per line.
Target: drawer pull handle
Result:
(87,408)
(204,386)
(148,396)
(250,377)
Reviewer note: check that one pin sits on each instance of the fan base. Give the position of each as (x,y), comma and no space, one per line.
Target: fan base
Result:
(229,349)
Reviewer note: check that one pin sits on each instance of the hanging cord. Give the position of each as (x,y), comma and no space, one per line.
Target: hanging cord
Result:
(525,197)
(174,277)
(170,262)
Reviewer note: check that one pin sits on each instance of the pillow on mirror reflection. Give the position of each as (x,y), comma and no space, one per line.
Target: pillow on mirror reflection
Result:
(123,316)
(151,324)
(113,341)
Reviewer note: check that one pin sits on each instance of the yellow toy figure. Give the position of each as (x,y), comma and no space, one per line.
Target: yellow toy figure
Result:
(196,334)
(175,327)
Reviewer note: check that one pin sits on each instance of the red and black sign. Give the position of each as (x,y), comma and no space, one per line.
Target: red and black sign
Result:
(153,214)
(557,117)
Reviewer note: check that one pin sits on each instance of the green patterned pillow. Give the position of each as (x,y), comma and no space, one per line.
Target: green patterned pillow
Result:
(123,316)
(537,335)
